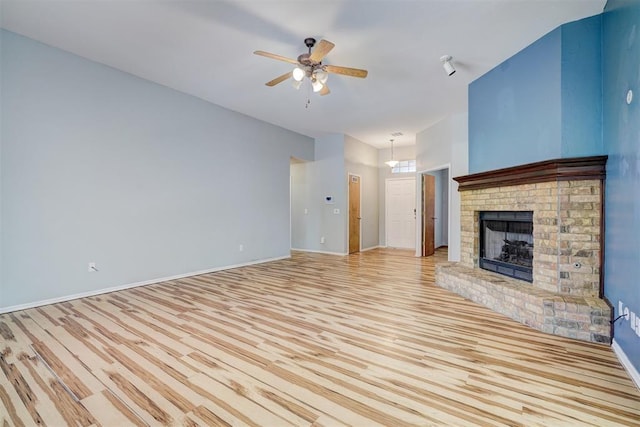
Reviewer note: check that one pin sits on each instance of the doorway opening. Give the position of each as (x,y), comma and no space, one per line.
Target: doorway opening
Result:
(432,228)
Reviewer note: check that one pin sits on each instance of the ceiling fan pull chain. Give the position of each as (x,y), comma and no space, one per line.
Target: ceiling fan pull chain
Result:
(308,96)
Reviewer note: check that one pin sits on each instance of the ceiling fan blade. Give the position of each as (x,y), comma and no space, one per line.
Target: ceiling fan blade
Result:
(352,72)
(274,56)
(279,79)
(321,50)
(325,90)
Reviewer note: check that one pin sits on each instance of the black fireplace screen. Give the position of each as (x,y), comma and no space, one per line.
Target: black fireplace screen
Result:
(506,243)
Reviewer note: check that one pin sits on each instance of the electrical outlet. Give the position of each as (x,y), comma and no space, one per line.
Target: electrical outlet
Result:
(241,247)
(91,268)
(322,240)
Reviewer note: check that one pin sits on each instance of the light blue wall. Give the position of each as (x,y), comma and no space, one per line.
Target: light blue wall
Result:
(362,159)
(328,172)
(527,85)
(99,165)
(621,72)
(304,228)
(543,103)
(312,182)
(336,155)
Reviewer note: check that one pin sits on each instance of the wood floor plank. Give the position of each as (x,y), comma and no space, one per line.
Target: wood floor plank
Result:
(33,387)
(137,329)
(314,340)
(143,400)
(14,410)
(109,411)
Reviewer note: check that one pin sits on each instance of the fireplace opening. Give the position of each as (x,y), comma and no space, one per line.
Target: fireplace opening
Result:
(506,243)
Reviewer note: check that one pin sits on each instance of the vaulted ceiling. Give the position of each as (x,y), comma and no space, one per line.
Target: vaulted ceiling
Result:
(205,48)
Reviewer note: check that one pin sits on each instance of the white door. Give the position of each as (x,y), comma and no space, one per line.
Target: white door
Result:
(400,201)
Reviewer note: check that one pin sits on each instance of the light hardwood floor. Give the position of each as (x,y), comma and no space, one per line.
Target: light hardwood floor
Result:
(322,340)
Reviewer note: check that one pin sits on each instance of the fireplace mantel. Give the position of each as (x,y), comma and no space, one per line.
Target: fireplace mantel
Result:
(576,168)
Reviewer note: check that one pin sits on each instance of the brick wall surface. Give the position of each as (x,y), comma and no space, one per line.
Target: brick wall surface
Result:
(566,230)
(563,298)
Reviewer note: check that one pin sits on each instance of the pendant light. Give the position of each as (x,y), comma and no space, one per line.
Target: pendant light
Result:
(392,163)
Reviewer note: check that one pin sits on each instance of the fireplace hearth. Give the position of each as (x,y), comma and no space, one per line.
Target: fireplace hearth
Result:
(506,243)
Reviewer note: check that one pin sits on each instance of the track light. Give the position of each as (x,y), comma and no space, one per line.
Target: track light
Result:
(447,65)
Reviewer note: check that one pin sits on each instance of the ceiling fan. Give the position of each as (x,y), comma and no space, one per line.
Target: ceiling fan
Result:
(310,65)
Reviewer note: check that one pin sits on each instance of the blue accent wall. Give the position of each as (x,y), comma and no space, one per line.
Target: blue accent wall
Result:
(621,134)
(582,88)
(514,109)
(543,103)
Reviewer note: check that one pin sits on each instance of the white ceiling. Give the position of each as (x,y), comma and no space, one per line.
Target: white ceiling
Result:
(205,48)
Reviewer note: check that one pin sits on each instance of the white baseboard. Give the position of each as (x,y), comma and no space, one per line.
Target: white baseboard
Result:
(334,253)
(130,285)
(319,252)
(624,360)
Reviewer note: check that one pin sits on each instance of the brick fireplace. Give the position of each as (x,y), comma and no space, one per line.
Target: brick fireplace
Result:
(566,197)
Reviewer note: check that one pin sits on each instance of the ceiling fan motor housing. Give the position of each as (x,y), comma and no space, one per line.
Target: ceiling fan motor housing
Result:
(305,60)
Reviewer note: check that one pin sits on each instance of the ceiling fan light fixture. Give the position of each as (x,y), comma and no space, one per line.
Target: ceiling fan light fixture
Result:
(322,76)
(296,84)
(298,74)
(317,85)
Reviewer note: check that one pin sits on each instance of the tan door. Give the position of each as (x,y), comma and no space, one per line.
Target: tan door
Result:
(428,214)
(354,213)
